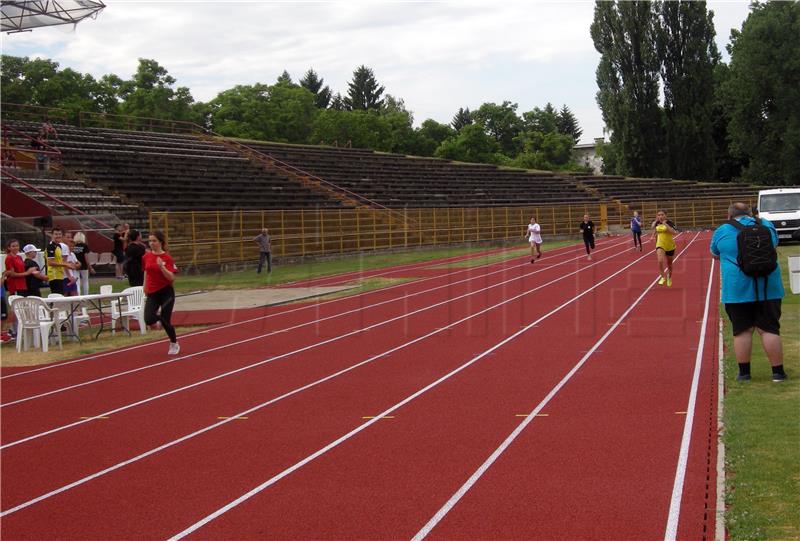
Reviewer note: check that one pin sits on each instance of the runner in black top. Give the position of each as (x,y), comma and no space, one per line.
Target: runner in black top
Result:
(587,228)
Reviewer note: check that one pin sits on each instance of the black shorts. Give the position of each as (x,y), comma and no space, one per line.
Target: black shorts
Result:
(57,286)
(120,256)
(765,315)
(669,253)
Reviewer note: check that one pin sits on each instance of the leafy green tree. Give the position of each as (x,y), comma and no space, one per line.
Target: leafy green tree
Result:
(549,151)
(241,111)
(542,120)
(364,92)
(762,93)
(727,166)
(362,129)
(567,124)
(337,103)
(685,42)
(312,82)
(150,94)
(471,144)
(501,123)
(435,131)
(624,33)
(463,118)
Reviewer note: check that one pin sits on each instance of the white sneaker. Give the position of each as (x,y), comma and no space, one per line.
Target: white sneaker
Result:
(588,258)
(174,348)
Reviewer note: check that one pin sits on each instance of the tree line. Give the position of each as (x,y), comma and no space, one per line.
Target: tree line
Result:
(307,111)
(674,109)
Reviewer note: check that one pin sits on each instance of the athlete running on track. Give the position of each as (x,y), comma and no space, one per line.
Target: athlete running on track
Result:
(664,231)
(534,236)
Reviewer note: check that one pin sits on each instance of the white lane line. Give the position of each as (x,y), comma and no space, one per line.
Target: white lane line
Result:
(680,473)
(389,411)
(271,333)
(288,354)
(556,252)
(318,382)
(456,497)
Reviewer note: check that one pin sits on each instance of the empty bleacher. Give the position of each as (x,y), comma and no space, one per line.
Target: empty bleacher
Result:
(634,191)
(175,171)
(395,180)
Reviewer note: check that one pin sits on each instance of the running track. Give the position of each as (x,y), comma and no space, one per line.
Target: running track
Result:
(568,399)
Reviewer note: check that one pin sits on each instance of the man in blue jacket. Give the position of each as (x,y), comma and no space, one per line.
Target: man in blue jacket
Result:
(747,308)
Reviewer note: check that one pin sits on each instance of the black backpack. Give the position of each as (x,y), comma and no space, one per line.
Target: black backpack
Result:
(757,256)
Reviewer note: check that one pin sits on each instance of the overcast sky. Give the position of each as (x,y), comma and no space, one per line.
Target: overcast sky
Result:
(436,56)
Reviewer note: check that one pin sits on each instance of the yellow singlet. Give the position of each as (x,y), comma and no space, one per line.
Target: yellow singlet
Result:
(664,238)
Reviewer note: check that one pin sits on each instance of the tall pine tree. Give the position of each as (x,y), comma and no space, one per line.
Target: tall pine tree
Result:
(463,118)
(312,83)
(364,93)
(567,124)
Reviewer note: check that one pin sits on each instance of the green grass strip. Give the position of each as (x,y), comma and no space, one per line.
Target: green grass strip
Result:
(497,258)
(292,272)
(762,434)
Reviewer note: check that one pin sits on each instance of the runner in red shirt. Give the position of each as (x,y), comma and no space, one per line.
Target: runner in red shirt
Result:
(159,274)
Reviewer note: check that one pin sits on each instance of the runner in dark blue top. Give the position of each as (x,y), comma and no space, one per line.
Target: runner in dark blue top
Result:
(636,229)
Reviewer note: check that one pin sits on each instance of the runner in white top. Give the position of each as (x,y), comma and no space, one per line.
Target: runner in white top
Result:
(534,236)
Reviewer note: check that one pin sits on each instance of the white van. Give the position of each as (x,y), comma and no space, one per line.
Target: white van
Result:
(781,206)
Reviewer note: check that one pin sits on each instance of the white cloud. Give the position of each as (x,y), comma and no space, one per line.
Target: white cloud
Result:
(437,56)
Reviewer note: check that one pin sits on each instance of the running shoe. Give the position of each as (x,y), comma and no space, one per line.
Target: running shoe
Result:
(538,255)
(669,282)
(533,260)
(743,377)
(174,348)
(778,377)
(661,281)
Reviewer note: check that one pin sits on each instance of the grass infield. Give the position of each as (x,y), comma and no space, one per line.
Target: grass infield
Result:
(762,433)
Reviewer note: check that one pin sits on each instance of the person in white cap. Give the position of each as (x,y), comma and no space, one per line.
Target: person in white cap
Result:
(34,277)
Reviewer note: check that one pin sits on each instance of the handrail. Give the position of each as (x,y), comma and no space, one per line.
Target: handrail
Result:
(53,198)
(12,129)
(184,126)
(39,112)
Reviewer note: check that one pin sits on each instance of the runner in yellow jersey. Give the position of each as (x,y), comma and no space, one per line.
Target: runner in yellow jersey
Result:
(664,231)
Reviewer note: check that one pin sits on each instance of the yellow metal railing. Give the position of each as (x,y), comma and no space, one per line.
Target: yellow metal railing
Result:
(216,237)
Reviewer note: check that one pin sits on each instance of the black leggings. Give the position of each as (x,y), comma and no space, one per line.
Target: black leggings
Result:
(637,239)
(164,299)
(589,243)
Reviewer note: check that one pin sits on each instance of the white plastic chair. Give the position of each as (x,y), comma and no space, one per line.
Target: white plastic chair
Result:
(133,309)
(105,290)
(34,315)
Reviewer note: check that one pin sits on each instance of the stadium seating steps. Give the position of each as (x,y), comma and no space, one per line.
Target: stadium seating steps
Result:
(157,171)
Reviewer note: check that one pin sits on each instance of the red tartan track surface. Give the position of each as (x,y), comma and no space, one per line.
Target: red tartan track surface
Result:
(566,399)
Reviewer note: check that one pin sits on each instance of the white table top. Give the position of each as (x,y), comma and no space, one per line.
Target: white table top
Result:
(80,298)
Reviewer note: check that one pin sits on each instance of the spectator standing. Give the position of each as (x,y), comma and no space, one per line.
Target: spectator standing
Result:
(534,235)
(749,307)
(71,275)
(159,275)
(636,229)
(664,231)
(265,250)
(81,250)
(133,258)
(15,270)
(9,157)
(119,250)
(35,275)
(587,228)
(42,161)
(56,263)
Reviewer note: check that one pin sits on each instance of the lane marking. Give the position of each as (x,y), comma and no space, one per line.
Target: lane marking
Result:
(379,417)
(234,418)
(683,457)
(392,409)
(528,415)
(313,346)
(456,497)
(92,418)
(266,335)
(566,250)
(330,377)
